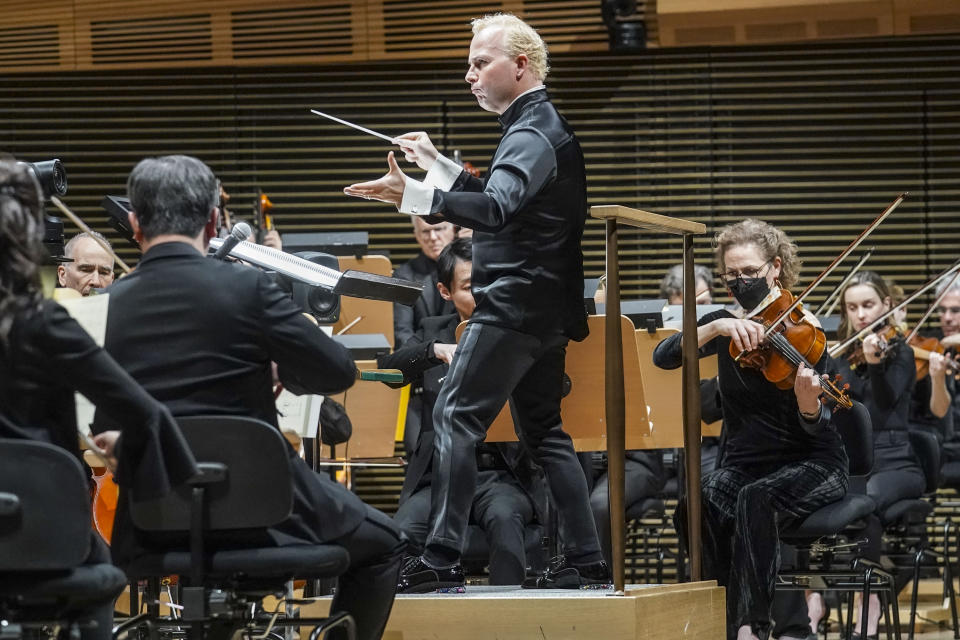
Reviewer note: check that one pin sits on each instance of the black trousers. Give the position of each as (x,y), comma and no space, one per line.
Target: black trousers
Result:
(367,589)
(743,508)
(102,612)
(491,365)
(644,479)
(500,509)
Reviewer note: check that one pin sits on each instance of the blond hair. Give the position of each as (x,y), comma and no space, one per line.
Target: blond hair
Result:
(519,38)
(770,241)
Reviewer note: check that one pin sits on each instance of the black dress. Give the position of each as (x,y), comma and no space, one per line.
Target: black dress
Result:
(48,357)
(777,468)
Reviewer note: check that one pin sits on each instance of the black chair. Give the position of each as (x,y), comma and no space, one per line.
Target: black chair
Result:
(915,512)
(45,542)
(824,533)
(211,532)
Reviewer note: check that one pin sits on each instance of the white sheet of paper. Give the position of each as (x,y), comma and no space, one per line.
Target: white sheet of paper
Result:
(300,414)
(91,314)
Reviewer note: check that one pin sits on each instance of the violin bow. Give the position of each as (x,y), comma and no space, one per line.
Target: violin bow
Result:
(836,261)
(839,348)
(83,227)
(929,311)
(831,300)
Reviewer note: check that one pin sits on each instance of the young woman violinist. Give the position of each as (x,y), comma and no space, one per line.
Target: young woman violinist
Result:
(45,356)
(782,458)
(881,374)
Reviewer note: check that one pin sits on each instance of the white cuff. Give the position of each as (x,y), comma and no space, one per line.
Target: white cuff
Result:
(443,173)
(417,198)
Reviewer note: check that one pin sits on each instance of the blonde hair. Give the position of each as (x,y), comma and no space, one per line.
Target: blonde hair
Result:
(864,278)
(519,38)
(770,241)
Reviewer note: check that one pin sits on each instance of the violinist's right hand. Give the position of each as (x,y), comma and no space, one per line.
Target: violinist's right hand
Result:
(745,334)
(418,149)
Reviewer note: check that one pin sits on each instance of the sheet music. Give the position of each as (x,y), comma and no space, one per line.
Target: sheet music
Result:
(300,414)
(91,314)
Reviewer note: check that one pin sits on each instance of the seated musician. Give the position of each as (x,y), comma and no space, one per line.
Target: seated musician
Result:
(503,504)
(782,457)
(882,378)
(200,335)
(45,356)
(89,267)
(936,405)
(407,320)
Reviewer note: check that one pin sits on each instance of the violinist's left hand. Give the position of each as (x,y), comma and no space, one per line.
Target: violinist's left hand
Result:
(807,389)
(873,347)
(389,188)
(107,441)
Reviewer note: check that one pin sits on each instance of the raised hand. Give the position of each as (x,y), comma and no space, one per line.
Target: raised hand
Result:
(389,188)
(417,148)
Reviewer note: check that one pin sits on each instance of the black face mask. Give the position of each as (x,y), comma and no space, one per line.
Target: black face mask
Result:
(749,292)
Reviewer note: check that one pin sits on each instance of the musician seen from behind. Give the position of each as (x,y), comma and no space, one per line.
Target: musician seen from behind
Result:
(507,497)
(782,459)
(527,215)
(89,265)
(200,335)
(45,356)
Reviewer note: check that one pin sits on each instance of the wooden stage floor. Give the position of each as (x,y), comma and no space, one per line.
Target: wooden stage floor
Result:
(691,611)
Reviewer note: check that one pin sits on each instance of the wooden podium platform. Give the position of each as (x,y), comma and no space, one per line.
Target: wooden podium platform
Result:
(693,611)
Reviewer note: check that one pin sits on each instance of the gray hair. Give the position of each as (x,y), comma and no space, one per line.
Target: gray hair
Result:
(172,195)
(672,283)
(948,283)
(71,245)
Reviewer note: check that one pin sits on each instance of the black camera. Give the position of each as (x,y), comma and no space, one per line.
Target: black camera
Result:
(51,175)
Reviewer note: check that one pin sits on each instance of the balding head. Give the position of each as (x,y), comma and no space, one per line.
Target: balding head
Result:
(92,266)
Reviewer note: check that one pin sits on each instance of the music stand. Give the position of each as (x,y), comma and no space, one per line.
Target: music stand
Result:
(613,215)
(375,316)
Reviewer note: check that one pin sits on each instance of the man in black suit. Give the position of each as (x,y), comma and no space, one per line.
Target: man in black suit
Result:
(528,216)
(407,320)
(201,336)
(508,485)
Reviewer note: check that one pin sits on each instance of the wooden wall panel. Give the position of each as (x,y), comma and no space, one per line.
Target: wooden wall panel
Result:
(816,139)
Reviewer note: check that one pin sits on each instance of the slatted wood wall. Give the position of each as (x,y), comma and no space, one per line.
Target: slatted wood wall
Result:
(817,139)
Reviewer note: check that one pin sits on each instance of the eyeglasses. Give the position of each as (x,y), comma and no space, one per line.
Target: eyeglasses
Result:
(951,310)
(749,272)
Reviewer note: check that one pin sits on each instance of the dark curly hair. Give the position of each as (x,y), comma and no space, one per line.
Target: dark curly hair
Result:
(21,244)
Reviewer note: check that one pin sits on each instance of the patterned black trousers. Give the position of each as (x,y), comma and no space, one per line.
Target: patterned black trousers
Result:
(743,510)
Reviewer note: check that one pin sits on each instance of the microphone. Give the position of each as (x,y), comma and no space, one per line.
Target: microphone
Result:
(241,231)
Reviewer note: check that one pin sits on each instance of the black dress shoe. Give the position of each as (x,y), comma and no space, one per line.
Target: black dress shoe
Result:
(563,575)
(417,577)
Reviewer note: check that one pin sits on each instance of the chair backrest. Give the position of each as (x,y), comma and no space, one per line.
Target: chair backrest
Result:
(257,492)
(927,448)
(856,430)
(44,508)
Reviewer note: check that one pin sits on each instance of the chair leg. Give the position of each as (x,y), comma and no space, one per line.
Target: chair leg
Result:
(895,606)
(915,591)
(851,603)
(865,603)
(341,619)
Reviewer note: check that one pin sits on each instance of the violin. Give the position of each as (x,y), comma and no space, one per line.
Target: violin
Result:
(888,334)
(923,347)
(791,340)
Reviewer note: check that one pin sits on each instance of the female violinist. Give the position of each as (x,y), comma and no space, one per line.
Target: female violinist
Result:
(883,380)
(45,356)
(782,457)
